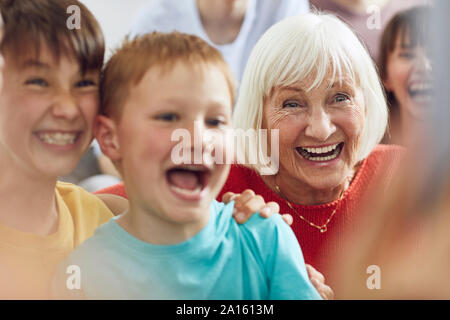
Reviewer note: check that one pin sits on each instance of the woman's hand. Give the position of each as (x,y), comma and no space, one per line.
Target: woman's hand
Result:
(116,204)
(247,203)
(318,281)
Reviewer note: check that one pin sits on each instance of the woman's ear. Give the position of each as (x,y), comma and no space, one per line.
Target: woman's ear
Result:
(105,131)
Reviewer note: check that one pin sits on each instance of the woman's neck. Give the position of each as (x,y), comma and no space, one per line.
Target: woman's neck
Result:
(222,19)
(28,203)
(298,192)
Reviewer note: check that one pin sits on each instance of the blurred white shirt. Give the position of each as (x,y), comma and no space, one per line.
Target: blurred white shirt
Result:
(183,16)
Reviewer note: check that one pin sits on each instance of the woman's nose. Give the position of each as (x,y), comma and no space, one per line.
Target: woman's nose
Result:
(320,127)
(423,61)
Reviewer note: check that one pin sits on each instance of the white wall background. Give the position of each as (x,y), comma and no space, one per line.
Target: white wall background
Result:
(115,18)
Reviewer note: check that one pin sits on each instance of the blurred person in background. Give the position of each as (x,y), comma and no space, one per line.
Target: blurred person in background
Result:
(232,26)
(405,68)
(408,240)
(366,17)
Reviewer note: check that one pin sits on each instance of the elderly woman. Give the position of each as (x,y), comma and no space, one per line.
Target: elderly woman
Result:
(310,78)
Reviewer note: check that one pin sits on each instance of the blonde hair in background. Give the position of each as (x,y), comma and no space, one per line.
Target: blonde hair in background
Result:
(291,50)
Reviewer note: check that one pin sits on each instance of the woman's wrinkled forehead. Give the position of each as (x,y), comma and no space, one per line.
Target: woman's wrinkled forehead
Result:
(333,77)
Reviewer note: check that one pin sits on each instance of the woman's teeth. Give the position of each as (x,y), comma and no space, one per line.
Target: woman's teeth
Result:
(420,89)
(322,153)
(321,150)
(58,138)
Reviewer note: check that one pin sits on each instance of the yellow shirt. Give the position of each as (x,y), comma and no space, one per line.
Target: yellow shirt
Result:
(28,261)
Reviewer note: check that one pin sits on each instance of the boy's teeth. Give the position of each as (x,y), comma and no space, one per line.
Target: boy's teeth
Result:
(58,138)
(186,191)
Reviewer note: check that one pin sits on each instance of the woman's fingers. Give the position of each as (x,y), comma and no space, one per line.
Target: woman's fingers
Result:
(247,203)
(288,218)
(229,196)
(325,291)
(318,281)
(246,206)
(314,274)
(269,209)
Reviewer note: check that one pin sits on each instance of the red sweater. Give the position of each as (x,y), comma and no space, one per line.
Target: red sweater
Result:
(376,170)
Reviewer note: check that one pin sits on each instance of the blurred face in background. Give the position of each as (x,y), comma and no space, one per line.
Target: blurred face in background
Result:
(2,61)
(408,77)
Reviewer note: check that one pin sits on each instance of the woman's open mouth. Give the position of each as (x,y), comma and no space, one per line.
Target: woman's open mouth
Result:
(318,154)
(188,181)
(420,91)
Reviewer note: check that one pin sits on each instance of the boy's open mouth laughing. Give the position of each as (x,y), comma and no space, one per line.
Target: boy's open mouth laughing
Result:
(188,181)
(58,138)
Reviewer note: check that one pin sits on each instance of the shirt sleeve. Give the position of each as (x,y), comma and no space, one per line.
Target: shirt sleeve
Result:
(283,260)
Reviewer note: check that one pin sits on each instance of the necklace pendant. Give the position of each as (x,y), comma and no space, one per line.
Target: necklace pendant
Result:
(323,229)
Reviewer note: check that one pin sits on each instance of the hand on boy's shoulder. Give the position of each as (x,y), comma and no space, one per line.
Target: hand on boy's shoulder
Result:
(256,224)
(116,204)
(248,203)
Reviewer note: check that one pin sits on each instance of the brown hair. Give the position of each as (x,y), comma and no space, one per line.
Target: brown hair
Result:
(30,24)
(134,58)
(412,26)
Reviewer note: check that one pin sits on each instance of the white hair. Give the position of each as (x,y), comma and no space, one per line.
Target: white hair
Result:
(294,48)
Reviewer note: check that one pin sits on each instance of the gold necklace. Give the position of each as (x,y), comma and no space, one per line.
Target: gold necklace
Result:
(323,228)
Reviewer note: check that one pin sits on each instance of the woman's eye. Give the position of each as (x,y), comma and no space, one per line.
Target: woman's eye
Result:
(341,98)
(291,104)
(169,117)
(407,55)
(37,82)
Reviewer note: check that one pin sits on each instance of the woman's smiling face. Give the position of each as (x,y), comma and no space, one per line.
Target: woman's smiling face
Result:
(319,128)
(408,77)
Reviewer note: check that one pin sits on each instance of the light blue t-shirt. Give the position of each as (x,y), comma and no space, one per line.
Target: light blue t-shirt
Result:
(260,259)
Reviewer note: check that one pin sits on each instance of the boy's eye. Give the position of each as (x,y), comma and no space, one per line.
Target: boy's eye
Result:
(341,97)
(215,122)
(85,83)
(169,117)
(37,82)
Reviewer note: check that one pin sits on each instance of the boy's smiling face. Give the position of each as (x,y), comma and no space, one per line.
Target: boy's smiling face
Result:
(47,113)
(184,97)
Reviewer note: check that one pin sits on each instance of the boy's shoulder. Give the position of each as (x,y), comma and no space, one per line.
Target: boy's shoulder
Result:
(257,230)
(87,211)
(76,197)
